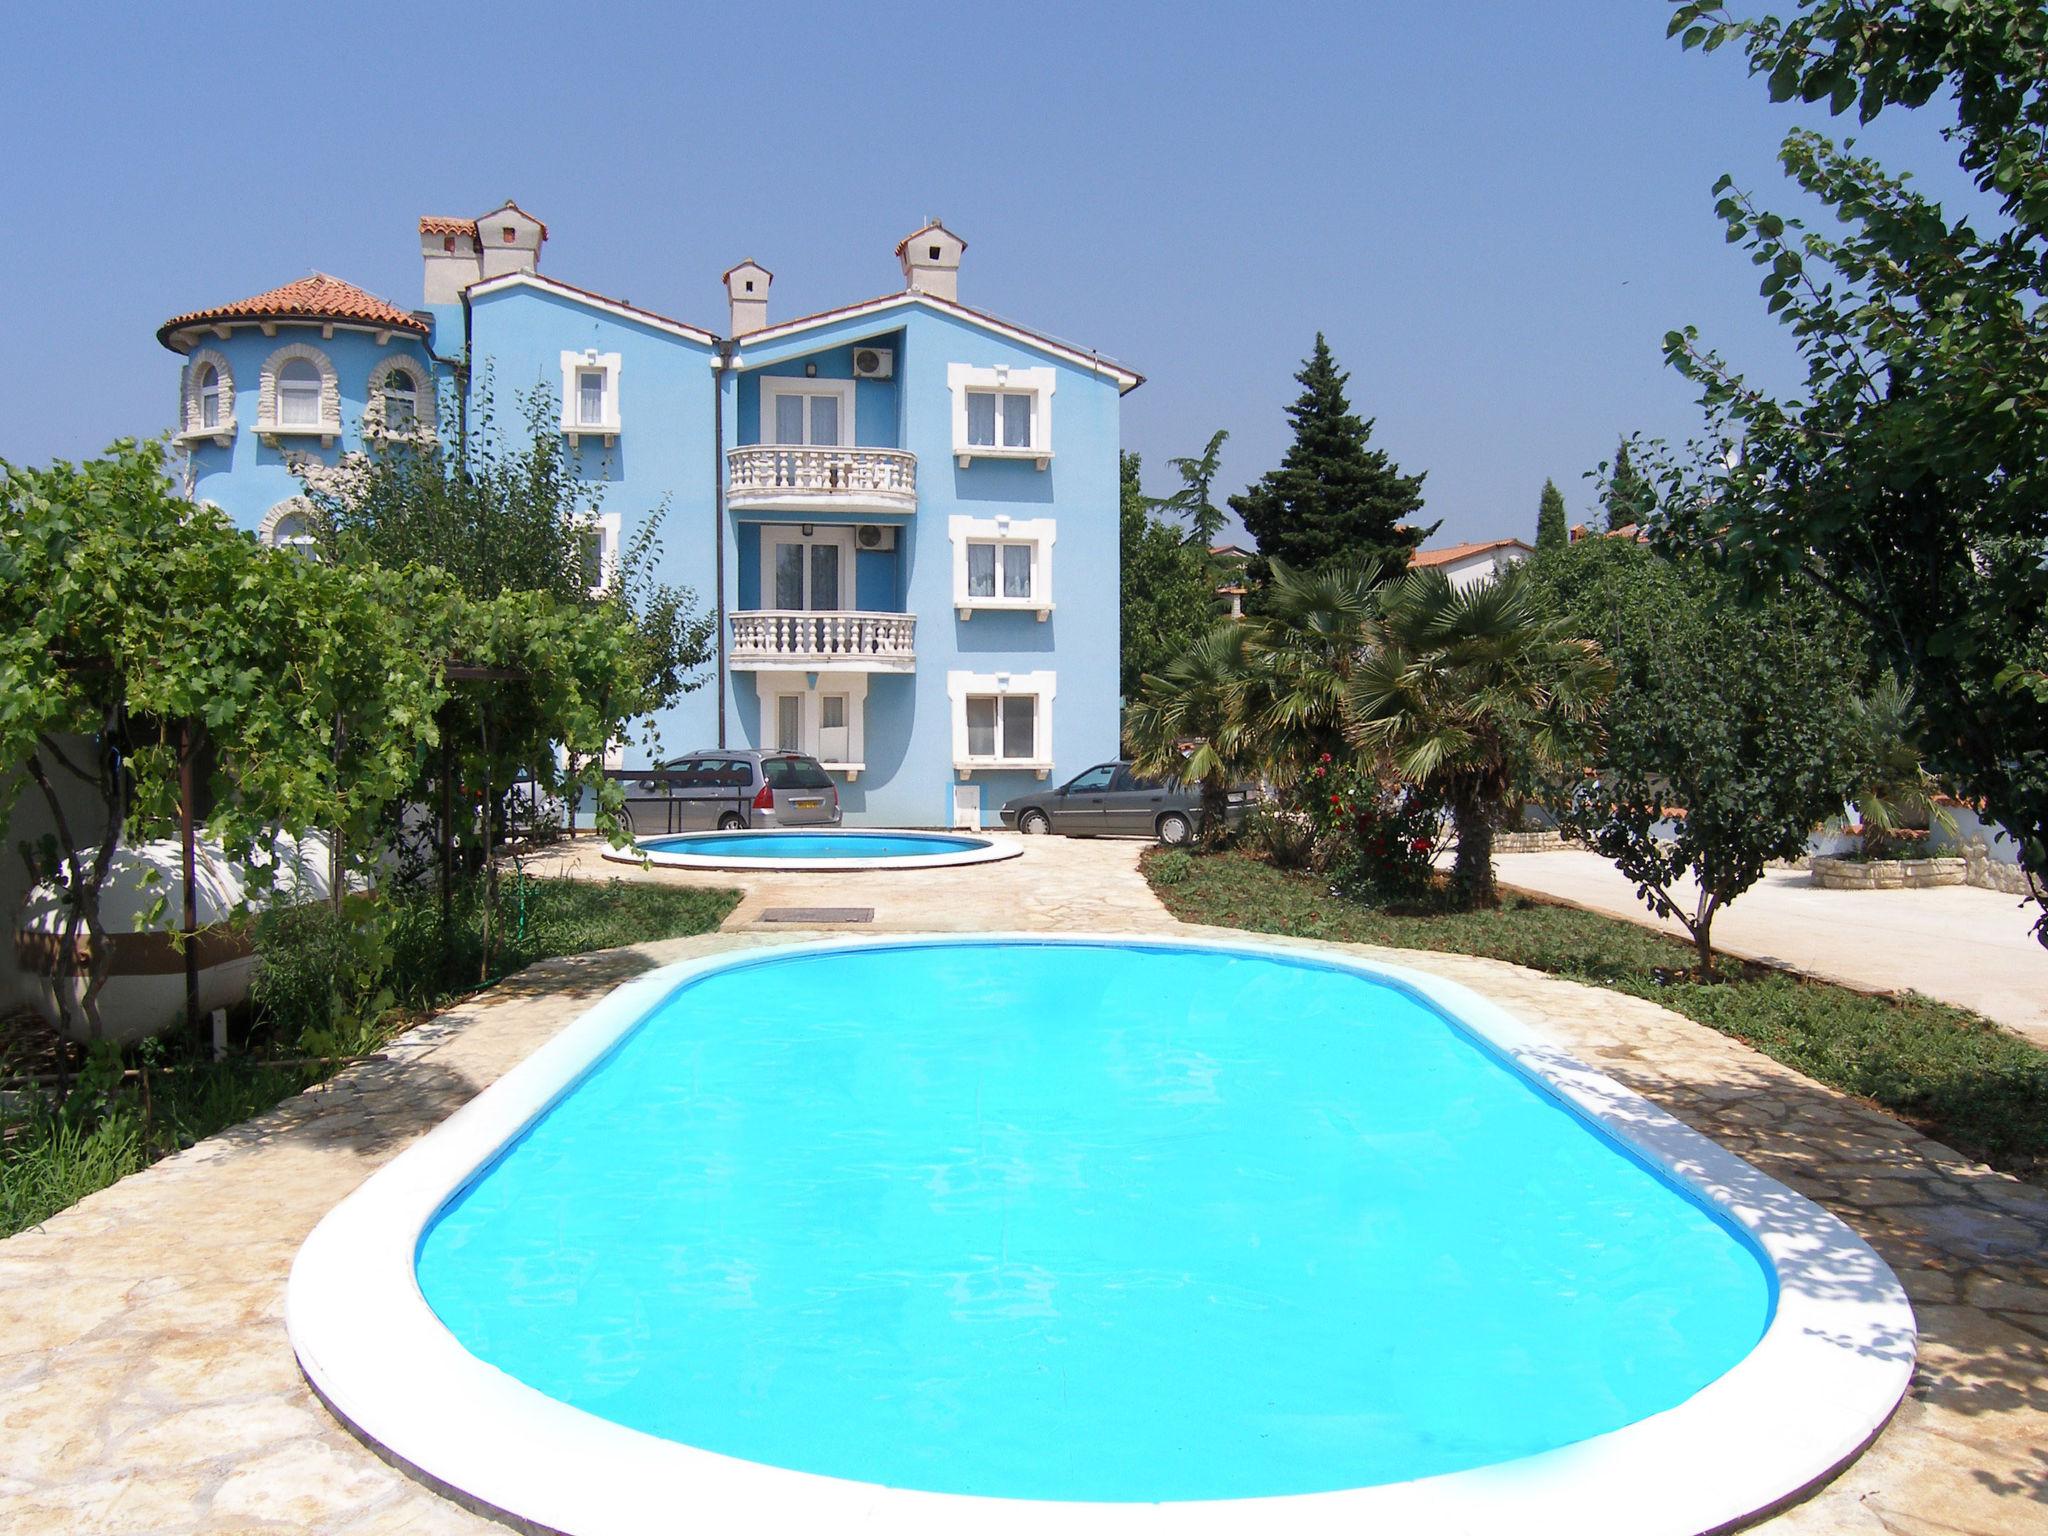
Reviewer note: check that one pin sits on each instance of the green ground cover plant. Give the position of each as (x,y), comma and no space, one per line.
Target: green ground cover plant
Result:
(1950,1073)
(323,992)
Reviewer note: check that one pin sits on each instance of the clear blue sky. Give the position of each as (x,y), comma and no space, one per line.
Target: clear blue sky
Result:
(1494,210)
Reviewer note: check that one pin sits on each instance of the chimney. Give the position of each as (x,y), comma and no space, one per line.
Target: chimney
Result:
(746,285)
(931,261)
(509,240)
(448,252)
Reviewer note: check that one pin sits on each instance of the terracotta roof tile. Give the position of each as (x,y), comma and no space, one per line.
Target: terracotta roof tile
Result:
(315,297)
(1450,552)
(433,225)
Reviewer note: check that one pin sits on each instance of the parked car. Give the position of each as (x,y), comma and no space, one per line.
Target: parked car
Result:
(725,791)
(1109,800)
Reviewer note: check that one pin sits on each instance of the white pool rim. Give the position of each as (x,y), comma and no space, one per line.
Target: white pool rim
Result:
(987,852)
(1824,1379)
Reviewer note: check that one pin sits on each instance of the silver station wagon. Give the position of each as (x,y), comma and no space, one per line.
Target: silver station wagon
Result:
(726,791)
(1109,800)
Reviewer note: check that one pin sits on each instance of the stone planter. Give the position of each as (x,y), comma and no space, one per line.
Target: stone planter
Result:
(1887,874)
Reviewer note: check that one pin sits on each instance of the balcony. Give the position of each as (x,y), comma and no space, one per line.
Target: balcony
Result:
(770,477)
(835,640)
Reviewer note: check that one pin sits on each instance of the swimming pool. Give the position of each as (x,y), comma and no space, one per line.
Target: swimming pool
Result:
(1143,1228)
(822,851)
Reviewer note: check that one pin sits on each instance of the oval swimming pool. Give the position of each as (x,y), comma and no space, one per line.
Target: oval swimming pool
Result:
(1119,1225)
(823,850)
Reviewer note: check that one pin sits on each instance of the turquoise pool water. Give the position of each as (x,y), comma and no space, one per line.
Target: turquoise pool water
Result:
(811,845)
(1076,1221)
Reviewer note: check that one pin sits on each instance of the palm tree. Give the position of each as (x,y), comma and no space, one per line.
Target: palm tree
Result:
(1190,721)
(1466,692)
(1306,649)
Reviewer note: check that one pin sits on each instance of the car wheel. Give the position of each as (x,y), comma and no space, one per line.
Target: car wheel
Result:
(1034,823)
(1175,829)
(732,821)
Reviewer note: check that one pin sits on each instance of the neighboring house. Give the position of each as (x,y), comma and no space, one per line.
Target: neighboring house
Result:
(903,511)
(1467,564)
(1230,561)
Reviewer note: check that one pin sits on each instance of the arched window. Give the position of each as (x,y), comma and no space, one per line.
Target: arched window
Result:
(401,401)
(209,397)
(298,394)
(289,525)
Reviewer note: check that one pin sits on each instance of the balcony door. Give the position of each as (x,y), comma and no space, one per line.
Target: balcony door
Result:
(808,571)
(807,413)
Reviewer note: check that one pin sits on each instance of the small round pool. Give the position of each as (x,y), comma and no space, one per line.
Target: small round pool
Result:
(827,849)
(927,1234)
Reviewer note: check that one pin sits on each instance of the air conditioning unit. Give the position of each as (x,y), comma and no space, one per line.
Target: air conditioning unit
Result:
(873,363)
(875,536)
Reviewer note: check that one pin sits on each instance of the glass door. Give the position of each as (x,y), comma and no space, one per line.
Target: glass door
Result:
(808,569)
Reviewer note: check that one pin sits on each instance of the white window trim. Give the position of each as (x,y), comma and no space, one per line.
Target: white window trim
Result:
(1039,383)
(607,526)
(422,430)
(268,428)
(773,385)
(610,364)
(960,686)
(810,688)
(1036,532)
(223,431)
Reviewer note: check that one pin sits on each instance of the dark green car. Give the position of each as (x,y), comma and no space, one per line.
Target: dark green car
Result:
(1109,800)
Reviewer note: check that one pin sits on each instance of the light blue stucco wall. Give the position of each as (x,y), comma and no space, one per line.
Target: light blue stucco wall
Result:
(664,458)
(248,478)
(661,461)
(909,725)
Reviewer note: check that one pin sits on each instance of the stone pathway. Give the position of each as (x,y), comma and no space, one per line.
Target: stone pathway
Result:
(1958,943)
(146,1384)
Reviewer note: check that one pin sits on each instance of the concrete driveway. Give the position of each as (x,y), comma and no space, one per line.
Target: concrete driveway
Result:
(1957,943)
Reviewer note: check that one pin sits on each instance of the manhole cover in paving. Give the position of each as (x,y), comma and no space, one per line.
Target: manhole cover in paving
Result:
(818,915)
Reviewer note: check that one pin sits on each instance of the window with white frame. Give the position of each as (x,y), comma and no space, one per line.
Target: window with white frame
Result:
(209,407)
(400,403)
(1002,563)
(590,394)
(598,550)
(812,413)
(821,718)
(1002,720)
(300,396)
(1001,412)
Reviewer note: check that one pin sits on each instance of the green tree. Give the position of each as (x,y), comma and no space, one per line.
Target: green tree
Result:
(1732,730)
(1168,589)
(1191,502)
(1627,497)
(1334,497)
(1470,695)
(1551,532)
(1910,475)
(1191,721)
(142,637)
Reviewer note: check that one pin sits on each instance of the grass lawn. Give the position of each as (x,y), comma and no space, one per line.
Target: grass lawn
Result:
(1956,1076)
(53,1154)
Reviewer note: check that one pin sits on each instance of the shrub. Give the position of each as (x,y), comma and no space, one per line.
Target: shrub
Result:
(1173,867)
(1284,834)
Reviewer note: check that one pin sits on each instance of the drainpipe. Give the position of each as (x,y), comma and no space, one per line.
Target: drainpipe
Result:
(720,364)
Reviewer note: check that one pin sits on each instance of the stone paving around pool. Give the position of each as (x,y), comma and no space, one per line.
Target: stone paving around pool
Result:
(146,1384)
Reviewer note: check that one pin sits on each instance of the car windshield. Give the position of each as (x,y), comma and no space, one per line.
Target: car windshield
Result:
(794,773)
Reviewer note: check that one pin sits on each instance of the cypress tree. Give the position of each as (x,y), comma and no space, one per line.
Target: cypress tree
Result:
(1550,529)
(1628,495)
(1332,497)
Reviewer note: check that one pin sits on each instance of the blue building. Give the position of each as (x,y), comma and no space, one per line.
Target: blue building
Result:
(903,512)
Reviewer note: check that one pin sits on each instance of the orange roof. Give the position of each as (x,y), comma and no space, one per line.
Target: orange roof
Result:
(317,297)
(1450,552)
(433,225)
